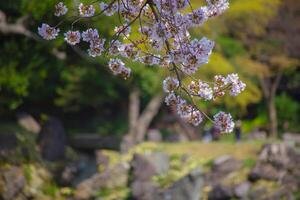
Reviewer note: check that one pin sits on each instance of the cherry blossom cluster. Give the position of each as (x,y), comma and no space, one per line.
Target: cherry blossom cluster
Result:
(164,40)
(185,110)
(224,122)
(205,91)
(118,68)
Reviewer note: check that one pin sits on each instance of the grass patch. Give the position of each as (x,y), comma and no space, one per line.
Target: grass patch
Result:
(204,152)
(249,162)
(114,193)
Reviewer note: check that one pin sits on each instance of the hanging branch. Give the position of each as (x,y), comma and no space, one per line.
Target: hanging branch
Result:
(165,41)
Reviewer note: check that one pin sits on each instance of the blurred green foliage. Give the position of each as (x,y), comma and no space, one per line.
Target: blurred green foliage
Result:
(288,112)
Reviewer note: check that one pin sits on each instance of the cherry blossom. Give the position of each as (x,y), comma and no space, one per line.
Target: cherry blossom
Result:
(90,35)
(118,68)
(86,10)
(201,89)
(170,84)
(109,10)
(163,39)
(60,9)
(195,117)
(96,47)
(224,122)
(183,108)
(47,32)
(237,86)
(171,99)
(72,37)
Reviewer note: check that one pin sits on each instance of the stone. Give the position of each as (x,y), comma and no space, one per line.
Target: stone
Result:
(114,177)
(144,190)
(146,166)
(278,162)
(187,188)
(28,123)
(277,154)
(282,193)
(39,177)
(226,164)
(80,170)
(258,193)
(102,159)
(68,174)
(154,135)
(160,161)
(52,140)
(292,181)
(12,183)
(142,168)
(292,140)
(221,192)
(241,190)
(264,171)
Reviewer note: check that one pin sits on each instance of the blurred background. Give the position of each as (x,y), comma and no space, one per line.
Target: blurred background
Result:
(67,124)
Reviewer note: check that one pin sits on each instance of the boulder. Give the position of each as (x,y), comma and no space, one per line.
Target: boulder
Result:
(282,193)
(265,171)
(275,162)
(144,190)
(221,192)
(142,170)
(291,180)
(292,139)
(144,167)
(276,154)
(259,192)
(78,171)
(226,164)
(160,161)
(222,166)
(116,176)
(39,178)
(28,123)
(51,140)
(187,188)
(242,189)
(278,162)
(101,159)
(12,182)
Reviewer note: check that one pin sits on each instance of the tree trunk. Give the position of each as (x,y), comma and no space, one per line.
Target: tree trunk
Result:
(138,124)
(272,118)
(146,117)
(269,87)
(134,109)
